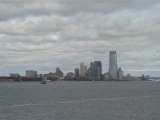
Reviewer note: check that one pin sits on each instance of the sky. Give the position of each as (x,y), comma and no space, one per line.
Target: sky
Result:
(44,34)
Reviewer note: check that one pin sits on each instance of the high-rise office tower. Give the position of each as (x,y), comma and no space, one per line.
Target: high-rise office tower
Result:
(85,70)
(97,69)
(76,72)
(113,65)
(90,70)
(82,70)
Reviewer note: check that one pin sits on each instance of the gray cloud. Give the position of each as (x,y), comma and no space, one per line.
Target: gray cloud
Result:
(24,8)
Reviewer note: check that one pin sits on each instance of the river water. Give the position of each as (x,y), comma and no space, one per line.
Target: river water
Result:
(136,100)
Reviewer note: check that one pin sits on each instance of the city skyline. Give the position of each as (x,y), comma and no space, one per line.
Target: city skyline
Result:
(43,35)
(93,71)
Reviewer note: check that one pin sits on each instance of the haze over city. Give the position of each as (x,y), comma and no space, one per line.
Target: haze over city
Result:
(45,34)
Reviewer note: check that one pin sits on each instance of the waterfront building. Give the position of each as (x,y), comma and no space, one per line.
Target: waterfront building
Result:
(106,76)
(14,75)
(120,74)
(95,70)
(91,70)
(85,70)
(31,74)
(82,70)
(113,65)
(59,73)
(70,75)
(76,72)
(52,76)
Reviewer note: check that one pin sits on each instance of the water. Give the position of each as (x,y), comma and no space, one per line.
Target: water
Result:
(80,101)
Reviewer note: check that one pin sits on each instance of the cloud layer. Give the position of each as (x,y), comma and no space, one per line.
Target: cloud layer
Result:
(44,34)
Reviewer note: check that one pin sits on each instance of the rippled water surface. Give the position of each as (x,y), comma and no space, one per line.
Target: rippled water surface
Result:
(80,101)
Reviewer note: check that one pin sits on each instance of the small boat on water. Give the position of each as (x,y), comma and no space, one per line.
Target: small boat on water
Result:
(44,80)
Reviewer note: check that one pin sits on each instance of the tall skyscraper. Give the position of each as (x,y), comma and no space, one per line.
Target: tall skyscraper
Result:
(82,70)
(76,72)
(90,70)
(113,65)
(95,70)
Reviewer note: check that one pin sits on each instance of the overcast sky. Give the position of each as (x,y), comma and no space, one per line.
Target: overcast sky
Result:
(45,34)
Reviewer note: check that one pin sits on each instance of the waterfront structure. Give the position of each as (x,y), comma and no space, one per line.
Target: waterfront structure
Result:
(82,69)
(85,70)
(76,72)
(14,75)
(90,70)
(106,76)
(31,74)
(120,74)
(51,76)
(113,65)
(70,75)
(59,73)
(95,70)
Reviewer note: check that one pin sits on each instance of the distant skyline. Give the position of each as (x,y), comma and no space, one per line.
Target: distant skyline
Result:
(45,34)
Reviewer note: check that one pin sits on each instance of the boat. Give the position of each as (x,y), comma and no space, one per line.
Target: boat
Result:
(44,80)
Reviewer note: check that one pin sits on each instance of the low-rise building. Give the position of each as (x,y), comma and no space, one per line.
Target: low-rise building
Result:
(70,75)
(14,75)
(106,76)
(31,74)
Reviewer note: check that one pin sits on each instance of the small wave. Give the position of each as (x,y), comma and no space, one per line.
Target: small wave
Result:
(75,101)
